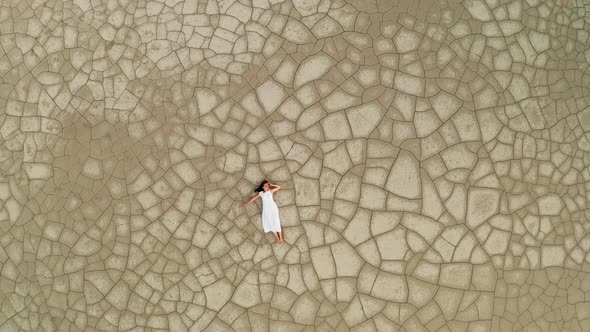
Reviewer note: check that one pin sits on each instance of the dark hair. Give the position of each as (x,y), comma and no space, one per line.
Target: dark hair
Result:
(259,189)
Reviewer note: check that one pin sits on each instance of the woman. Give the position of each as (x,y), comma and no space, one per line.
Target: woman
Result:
(270,211)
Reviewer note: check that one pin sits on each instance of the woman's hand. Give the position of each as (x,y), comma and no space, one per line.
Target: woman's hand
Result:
(245,204)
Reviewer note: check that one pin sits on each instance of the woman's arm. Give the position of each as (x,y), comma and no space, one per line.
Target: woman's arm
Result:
(276,187)
(251,200)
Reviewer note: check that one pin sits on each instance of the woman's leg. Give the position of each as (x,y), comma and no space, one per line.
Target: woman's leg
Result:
(277,236)
(281,237)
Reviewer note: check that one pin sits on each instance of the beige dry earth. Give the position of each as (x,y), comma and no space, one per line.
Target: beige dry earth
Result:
(433,156)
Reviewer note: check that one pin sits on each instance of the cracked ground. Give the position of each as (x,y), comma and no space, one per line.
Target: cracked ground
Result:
(433,157)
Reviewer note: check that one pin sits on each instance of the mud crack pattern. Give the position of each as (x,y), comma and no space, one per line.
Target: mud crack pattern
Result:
(433,156)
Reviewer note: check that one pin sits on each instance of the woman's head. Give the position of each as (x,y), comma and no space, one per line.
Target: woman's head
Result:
(264,186)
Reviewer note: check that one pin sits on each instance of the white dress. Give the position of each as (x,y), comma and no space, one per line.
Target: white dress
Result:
(270,213)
